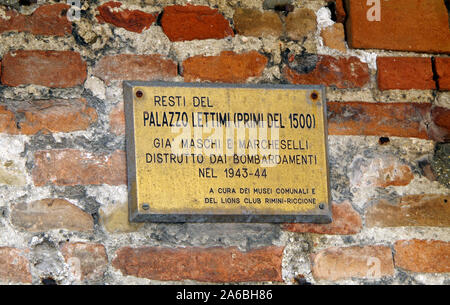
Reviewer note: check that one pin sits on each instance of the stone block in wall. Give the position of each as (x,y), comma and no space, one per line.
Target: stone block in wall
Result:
(253,22)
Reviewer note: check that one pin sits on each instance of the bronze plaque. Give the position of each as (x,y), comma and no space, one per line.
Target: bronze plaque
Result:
(226,153)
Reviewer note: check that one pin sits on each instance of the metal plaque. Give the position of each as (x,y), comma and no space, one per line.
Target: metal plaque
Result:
(226,153)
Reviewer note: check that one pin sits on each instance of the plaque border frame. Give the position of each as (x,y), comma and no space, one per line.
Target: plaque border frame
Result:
(320,216)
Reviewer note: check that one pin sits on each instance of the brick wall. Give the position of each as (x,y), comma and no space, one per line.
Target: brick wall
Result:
(63,195)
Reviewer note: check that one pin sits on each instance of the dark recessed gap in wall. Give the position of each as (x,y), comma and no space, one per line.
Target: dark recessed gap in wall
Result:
(346,9)
(95,216)
(383,140)
(435,74)
(285,9)
(180,69)
(332,7)
(48,281)
(27,2)
(158,19)
(300,280)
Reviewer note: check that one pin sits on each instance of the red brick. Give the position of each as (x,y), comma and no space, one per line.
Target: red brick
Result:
(135,67)
(379,119)
(443,71)
(77,167)
(49,214)
(345,221)
(55,69)
(218,265)
(15,266)
(45,20)
(334,263)
(191,22)
(228,67)
(410,210)
(406,25)
(117,120)
(7,121)
(131,20)
(87,261)
(405,73)
(48,116)
(340,72)
(441,117)
(428,256)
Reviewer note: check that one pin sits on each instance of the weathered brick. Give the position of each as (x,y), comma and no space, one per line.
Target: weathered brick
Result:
(410,210)
(7,121)
(405,73)
(219,265)
(253,22)
(228,67)
(378,119)
(131,20)
(334,37)
(135,67)
(443,71)
(15,266)
(117,119)
(77,167)
(45,20)
(55,69)
(335,263)
(428,256)
(379,171)
(48,116)
(191,22)
(441,117)
(48,214)
(300,23)
(340,72)
(87,261)
(405,25)
(345,221)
